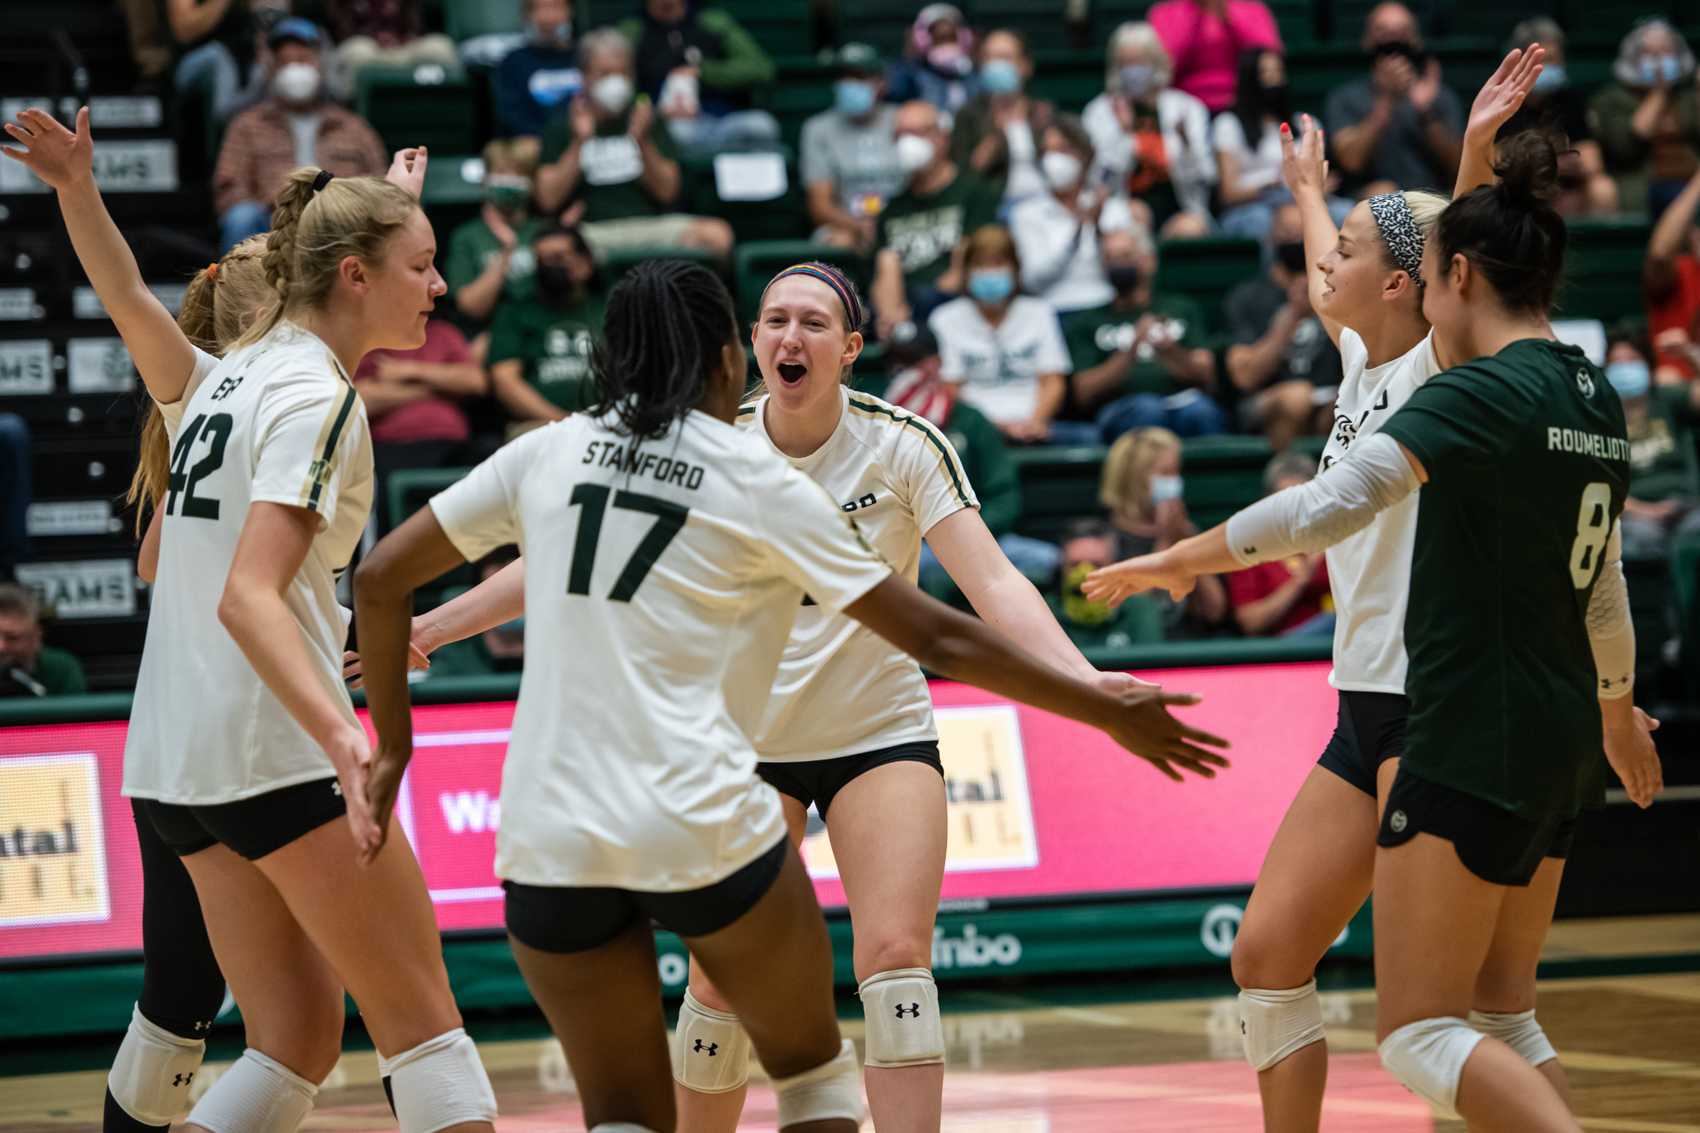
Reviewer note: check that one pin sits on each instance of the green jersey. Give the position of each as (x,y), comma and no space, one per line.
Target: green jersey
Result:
(552,345)
(924,231)
(472,246)
(1527,457)
(610,166)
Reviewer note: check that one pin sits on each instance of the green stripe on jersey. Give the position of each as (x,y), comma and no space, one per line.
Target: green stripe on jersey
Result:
(926,429)
(319,471)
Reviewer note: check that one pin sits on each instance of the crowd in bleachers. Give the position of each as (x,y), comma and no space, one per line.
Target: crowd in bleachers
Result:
(1067,253)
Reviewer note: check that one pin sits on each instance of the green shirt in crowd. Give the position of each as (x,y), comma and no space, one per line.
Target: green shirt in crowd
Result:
(57,671)
(552,345)
(987,465)
(1661,449)
(472,246)
(1093,335)
(610,168)
(923,231)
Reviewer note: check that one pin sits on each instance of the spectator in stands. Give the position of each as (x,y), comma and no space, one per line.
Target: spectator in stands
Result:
(1057,231)
(1284,597)
(1088,544)
(1670,276)
(1144,353)
(610,158)
(498,650)
(1584,187)
(1151,139)
(381,33)
(1004,351)
(214,43)
(540,343)
(536,79)
(15,491)
(849,154)
(1401,127)
(938,61)
(27,667)
(296,126)
(412,401)
(1248,149)
(1282,363)
(921,229)
(150,49)
(1144,494)
(702,69)
(1664,484)
(999,131)
(1647,120)
(1207,38)
(490,255)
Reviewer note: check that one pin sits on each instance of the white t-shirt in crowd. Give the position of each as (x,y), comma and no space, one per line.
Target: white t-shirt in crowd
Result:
(841,688)
(274,422)
(1024,179)
(999,367)
(1370,573)
(662,580)
(1259,168)
(1059,255)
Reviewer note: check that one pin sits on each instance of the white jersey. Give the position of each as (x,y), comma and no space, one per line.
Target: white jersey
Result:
(661,581)
(842,689)
(275,422)
(1370,572)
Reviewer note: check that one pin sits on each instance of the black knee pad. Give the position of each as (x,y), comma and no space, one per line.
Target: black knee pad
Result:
(182,985)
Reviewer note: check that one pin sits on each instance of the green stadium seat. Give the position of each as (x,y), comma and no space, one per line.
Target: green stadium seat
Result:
(616,264)
(1070,79)
(1206,269)
(782,218)
(429,105)
(802,89)
(755,263)
(1040,21)
(1603,270)
(463,19)
(1058,485)
(1223,474)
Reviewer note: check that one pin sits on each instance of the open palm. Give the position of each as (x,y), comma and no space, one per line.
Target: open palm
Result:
(1503,94)
(53,153)
(1304,162)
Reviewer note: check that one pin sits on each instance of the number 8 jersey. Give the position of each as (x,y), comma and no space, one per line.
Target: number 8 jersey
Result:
(274,422)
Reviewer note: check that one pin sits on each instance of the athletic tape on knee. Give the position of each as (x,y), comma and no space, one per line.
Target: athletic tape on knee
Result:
(902,1009)
(1517,1030)
(711,1051)
(439,1083)
(258,1094)
(1276,1024)
(831,1091)
(1428,1056)
(150,1077)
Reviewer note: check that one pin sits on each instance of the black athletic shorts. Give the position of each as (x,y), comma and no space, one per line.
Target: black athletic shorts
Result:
(1495,844)
(569,918)
(817,781)
(1371,730)
(253,827)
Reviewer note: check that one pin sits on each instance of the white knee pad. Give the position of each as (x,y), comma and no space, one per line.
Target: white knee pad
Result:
(258,1094)
(1275,1024)
(902,1009)
(150,1077)
(439,1083)
(711,1052)
(1428,1056)
(1517,1030)
(832,1090)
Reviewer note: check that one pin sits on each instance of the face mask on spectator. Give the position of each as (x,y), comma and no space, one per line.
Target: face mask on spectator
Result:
(1657,68)
(1166,488)
(949,59)
(515,628)
(1137,79)
(915,153)
(296,83)
(1552,77)
(1077,607)
(612,93)
(1062,170)
(1275,100)
(1291,255)
(1000,76)
(558,36)
(1402,48)
(509,192)
(991,285)
(1123,277)
(554,281)
(854,97)
(1629,379)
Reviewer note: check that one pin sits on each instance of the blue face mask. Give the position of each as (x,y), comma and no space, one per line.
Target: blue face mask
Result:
(1660,67)
(991,285)
(853,97)
(1629,379)
(1552,77)
(1000,76)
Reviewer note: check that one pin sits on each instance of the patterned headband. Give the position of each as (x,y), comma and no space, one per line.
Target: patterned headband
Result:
(833,278)
(1399,232)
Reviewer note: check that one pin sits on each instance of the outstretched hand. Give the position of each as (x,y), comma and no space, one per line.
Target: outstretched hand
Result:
(407,170)
(53,153)
(1504,92)
(1145,727)
(1118,582)
(1304,162)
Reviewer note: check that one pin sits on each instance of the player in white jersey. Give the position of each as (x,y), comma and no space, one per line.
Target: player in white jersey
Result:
(668,554)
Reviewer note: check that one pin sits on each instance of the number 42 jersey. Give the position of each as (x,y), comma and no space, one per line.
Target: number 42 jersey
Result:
(274,422)
(1528,467)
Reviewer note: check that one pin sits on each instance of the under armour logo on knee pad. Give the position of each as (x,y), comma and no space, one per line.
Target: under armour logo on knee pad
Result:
(914,1011)
(711,1049)
(182,1079)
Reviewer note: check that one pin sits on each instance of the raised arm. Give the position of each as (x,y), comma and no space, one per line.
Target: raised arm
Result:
(1500,97)
(65,161)
(1304,168)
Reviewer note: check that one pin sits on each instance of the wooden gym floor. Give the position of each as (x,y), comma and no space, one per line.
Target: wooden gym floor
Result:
(1086,1058)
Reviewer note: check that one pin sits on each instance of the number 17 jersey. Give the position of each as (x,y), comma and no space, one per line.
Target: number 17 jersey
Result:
(274,422)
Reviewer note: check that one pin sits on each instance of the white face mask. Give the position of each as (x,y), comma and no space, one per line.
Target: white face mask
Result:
(612,93)
(1166,488)
(296,82)
(1061,170)
(915,153)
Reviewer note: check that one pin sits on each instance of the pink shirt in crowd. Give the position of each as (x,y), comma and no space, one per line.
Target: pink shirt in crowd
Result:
(430,418)
(1206,47)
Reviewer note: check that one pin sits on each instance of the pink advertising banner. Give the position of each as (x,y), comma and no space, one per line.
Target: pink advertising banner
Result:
(1039,808)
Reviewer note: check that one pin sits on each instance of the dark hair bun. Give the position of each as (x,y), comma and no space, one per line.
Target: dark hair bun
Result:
(1527,166)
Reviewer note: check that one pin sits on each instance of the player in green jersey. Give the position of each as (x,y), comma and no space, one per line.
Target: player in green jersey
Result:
(1520,646)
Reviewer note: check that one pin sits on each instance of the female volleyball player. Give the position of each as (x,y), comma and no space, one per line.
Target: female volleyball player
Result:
(1514,660)
(667,555)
